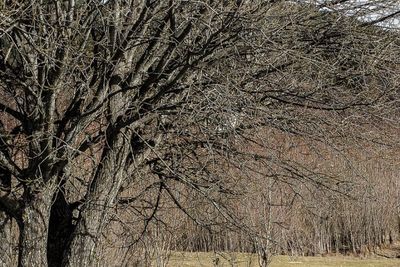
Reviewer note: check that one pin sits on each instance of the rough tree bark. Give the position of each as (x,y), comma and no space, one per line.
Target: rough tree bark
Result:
(101,198)
(6,250)
(34,227)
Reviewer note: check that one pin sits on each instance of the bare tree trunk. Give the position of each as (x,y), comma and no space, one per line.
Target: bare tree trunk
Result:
(83,249)
(6,250)
(33,231)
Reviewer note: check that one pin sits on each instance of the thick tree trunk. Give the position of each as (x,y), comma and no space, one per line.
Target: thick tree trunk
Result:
(34,231)
(7,253)
(83,249)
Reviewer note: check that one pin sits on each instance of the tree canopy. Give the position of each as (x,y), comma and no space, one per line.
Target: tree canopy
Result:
(124,105)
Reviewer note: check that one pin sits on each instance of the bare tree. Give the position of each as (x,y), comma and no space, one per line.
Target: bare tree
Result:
(136,104)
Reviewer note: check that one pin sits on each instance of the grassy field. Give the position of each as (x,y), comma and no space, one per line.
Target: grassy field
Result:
(247,260)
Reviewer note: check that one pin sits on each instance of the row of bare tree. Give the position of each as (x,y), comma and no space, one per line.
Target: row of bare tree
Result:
(356,211)
(358,216)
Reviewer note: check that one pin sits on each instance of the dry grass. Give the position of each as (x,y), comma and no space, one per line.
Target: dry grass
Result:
(247,260)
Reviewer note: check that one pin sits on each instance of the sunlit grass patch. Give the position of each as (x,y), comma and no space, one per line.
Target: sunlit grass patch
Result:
(186,259)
